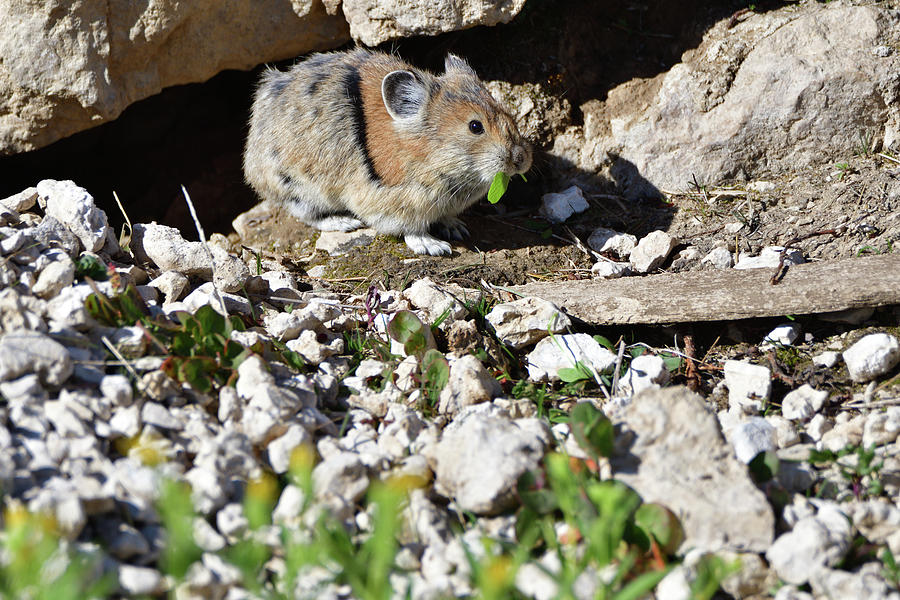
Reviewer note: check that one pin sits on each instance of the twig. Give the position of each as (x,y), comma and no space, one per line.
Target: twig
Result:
(890,158)
(212,261)
(118,355)
(615,381)
(693,377)
(777,371)
(781,270)
(699,188)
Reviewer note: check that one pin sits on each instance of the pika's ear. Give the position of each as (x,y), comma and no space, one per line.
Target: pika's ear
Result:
(455,63)
(403,94)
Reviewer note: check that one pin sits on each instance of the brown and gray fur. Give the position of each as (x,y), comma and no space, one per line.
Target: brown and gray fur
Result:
(361,138)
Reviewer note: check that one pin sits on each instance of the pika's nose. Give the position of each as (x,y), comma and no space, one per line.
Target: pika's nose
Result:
(519,155)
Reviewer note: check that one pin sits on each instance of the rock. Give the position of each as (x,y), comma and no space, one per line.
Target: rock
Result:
(844,434)
(55,52)
(280,450)
(525,321)
(604,269)
(802,403)
(881,427)
(827,359)
(337,243)
(747,86)
(752,437)
(24,352)
(563,351)
(768,258)
(608,240)
(814,542)
(159,416)
(140,581)
(556,208)
(67,308)
(749,385)
(74,207)
(316,347)
(783,335)
(54,277)
(469,383)
(375,21)
(651,251)
(22,201)
(710,491)
(340,480)
(426,295)
(51,232)
(719,257)
(126,541)
(165,247)
(866,582)
(647,371)
(872,356)
(171,284)
(231,522)
(478,461)
(284,326)
(205,295)
(818,426)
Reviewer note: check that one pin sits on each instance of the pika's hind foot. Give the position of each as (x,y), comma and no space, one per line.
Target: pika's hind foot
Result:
(337,223)
(452,228)
(422,243)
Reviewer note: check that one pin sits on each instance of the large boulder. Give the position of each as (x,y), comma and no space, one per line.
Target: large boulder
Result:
(777,91)
(68,66)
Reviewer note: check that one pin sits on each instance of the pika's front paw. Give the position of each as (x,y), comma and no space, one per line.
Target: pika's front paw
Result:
(452,228)
(426,244)
(338,223)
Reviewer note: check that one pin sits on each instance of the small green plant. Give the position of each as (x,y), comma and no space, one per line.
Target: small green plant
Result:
(198,349)
(434,370)
(860,467)
(36,563)
(843,169)
(91,266)
(890,570)
(865,143)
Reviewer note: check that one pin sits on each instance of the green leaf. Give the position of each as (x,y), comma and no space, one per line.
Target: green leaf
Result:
(89,265)
(641,585)
(661,523)
(764,466)
(408,329)
(435,372)
(592,429)
(604,342)
(498,187)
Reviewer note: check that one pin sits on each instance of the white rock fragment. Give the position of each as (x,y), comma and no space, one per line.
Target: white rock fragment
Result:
(652,251)
(818,426)
(526,320)
(608,240)
(563,351)
(768,258)
(165,247)
(783,335)
(881,427)
(647,371)
(54,277)
(751,437)
(872,356)
(73,206)
(749,385)
(316,347)
(604,269)
(719,258)
(171,284)
(557,207)
(802,403)
(827,359)
(814,542)
(426,295)
(340,480)
(280,450)
(231,521)
(337,243)
(205,294)
(140,581)
(469,383)
(478,461)
(22,201)
(284,326)
(23,352)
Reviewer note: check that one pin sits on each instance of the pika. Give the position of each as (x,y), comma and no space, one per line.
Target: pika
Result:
(360,138)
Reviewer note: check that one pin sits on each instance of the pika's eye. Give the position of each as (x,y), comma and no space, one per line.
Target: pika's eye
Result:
(476,127)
